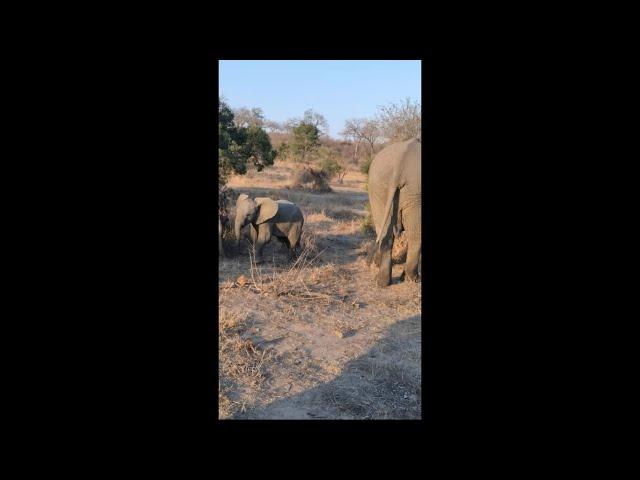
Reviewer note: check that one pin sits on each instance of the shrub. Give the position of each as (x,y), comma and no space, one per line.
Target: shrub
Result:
(330,166)
(364,168)
(311,179)
(300,177)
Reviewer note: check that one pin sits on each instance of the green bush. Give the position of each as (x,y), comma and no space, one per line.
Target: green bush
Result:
(364,168)
(330,166)
(283,152)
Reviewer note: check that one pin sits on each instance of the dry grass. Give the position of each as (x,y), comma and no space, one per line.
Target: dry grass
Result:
(241,363)
(313,337)
(382,384)
(399,251)
(305,279)
(311,180)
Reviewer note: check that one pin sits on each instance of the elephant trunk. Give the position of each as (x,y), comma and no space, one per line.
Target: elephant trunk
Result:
(238,229)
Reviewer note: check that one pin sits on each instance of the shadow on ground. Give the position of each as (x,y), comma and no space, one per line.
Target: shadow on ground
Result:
(383,383)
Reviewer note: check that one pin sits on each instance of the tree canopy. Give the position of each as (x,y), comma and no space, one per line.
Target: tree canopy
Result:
(402,121)
(306,140)
(240,145)
(245,117)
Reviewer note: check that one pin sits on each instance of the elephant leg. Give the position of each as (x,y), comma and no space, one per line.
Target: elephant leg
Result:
(413,258)
(292,250)
(294,239)
(284,241)
(384,274)
(293,243)
(253,233)
(253,238)
(373,255)
(264,236)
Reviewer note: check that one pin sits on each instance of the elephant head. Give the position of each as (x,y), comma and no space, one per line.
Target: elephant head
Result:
(252,211)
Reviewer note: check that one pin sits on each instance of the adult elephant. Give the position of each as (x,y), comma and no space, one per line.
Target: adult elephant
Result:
(395,195)
(268,218)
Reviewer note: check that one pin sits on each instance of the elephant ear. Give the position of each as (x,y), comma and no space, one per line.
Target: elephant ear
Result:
(268,209)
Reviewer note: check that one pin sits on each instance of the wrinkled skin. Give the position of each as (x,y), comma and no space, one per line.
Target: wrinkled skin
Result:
(268,218)
(395,195)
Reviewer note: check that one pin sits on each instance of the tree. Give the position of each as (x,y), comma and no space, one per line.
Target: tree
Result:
(316,119)
(330,164)
(283,151)
(306,140)
(402,121)
(362,130)
(310,117)
(245,117)
(352,131)
(290,124)
(239,146)
(230,140)
(257,147)
(273,126)
(371,134)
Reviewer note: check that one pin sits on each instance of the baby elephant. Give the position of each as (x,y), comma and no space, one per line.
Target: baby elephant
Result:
(281,219)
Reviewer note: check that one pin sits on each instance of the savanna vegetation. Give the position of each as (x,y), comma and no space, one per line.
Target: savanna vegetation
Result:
(312,339)
(250,141)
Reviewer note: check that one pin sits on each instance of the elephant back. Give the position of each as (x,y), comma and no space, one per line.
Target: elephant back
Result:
(395,168)
(287,211)
(398,162)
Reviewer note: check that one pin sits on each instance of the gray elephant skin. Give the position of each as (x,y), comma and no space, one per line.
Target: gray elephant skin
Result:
(395,195)
(268,218)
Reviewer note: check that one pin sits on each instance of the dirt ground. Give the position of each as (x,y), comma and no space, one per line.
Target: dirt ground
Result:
(315,338)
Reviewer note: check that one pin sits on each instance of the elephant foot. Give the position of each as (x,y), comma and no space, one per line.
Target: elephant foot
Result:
(413,278)
(383,281)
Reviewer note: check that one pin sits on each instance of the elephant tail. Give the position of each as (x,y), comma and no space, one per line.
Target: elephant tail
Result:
(390,214)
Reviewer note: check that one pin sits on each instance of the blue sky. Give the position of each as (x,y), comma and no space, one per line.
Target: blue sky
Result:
(338,89)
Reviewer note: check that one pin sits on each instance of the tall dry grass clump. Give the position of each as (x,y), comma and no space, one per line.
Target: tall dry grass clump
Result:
(306,279)
(307,178)
(288,281)
(399,251)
